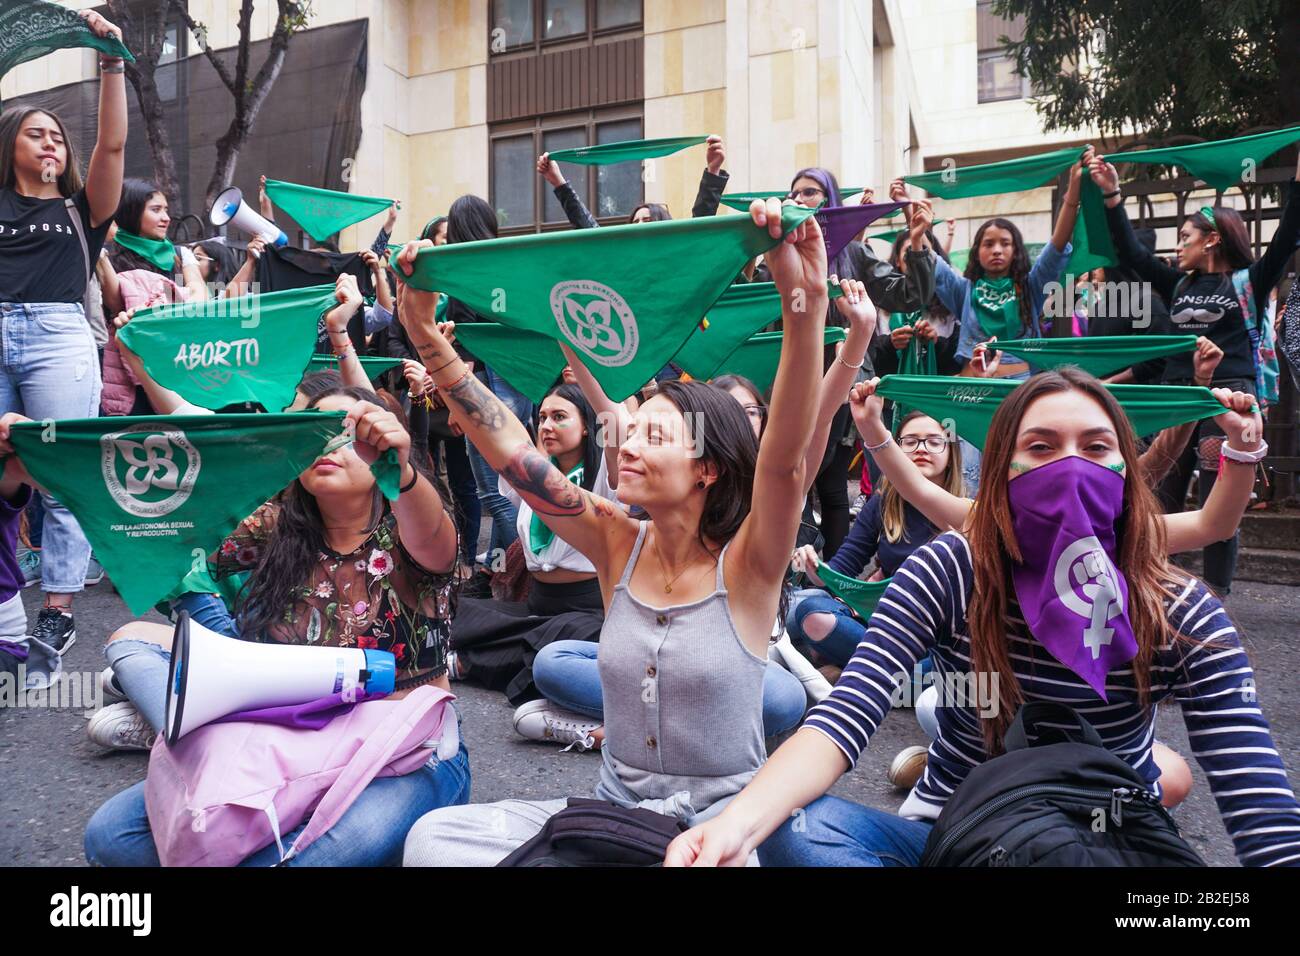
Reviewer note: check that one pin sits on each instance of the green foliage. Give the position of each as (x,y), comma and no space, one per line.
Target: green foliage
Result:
(1185,67)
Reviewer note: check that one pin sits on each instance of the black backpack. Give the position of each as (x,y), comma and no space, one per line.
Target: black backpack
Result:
(1064,800)
(596,833)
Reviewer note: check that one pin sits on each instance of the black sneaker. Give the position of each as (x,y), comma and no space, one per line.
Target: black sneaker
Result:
(56,629)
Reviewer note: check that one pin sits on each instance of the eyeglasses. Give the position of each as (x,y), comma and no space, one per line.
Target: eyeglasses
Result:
(757,412)
(808,192)
(933,443)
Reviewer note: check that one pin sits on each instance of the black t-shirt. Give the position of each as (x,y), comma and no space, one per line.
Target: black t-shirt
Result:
(40,257)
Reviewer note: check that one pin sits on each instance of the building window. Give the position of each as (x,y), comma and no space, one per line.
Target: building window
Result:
(525,202)
(997,76)
(531,24)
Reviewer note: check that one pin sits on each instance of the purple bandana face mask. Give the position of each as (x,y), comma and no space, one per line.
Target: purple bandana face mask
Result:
(1074,598)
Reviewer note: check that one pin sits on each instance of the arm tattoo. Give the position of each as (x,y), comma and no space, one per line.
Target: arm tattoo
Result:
(479,405)
(533,475)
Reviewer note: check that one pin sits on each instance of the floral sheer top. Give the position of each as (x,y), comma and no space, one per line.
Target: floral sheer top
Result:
(376,597)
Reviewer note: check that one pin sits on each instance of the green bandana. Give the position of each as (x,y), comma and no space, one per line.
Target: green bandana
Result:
(1098,354)
(155,494)
(222,351)
(893,234)
(530,361)
(30,29)
(733,320)
(741,201)
(323,212)
(861,596)
(373,365)
(160,252)
(997,308)
(758,358)
(588,286)
(625,152)
(1220,163)
(1091,238)
(967,405)
(539,536)
(918,358)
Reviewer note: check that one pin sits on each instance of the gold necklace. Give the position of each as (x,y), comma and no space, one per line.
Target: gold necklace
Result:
(668,587)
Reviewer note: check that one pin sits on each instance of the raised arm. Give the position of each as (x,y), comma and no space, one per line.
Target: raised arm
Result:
(1218,519)
(163,400)
(590,523)
(578,214)
(943,510)
(1131,253)
(240,282)
(349,300)
(426,530)
(1069,214)
(104,174)
(609,413)
(713,181)
(860,314)
(766,537)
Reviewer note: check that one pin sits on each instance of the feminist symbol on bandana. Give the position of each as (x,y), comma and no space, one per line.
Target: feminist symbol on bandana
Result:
(1087,584)
(141,462)
(597,320)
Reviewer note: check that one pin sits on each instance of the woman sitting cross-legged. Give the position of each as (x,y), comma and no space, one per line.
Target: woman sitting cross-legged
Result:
(690,594)
(494,642)
(331,563)
(1060,463)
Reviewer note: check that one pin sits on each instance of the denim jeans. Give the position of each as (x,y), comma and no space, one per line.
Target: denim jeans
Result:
(371,833)
(834,832)
(49,370)
(837,646)
(567,674)
(495,504)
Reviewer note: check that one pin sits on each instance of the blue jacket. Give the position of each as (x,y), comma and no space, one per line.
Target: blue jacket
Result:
(954,290)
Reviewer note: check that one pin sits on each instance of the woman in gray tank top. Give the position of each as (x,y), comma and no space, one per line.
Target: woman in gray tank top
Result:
(690,594)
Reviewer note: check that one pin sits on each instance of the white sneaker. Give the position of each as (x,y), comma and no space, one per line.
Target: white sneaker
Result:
(120,727)
(108,690)
(542,720)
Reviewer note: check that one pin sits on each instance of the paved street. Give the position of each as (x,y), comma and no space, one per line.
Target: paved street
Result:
(52,778)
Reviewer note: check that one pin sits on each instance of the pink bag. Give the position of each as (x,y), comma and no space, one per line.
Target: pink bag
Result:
(226,790)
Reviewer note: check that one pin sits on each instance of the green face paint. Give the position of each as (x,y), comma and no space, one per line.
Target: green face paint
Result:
(1117,468)
(1018,466)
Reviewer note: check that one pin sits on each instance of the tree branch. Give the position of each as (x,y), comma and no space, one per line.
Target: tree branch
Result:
(200,33)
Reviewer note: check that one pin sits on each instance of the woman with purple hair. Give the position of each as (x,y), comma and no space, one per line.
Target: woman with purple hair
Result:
(891,291)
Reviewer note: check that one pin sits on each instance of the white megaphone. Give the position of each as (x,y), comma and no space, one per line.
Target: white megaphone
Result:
(212,675)
(231,208)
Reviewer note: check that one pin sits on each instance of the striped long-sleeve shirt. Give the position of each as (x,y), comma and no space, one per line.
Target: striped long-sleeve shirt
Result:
(1207,673)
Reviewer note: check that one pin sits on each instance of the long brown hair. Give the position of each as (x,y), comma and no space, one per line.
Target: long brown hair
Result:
(1140,543)
(891,502)
(1018,270)
(11,122)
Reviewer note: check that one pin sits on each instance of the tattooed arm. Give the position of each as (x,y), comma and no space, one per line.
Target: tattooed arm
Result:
(588,522)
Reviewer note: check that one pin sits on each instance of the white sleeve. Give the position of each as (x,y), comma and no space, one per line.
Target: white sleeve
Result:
(507,490)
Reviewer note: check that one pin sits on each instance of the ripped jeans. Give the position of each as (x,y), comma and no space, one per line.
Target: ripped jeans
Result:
(49,369)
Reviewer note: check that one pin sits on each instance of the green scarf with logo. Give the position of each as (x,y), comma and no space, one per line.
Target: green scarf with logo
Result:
(757,359)
(1098,354)
(966,405)
(30,29)
(625,152)
(160,252)
(539,536)
(861,596)
(156,494)
(997,307)
(219,352)
(1220,163)
(588,286)
(323,212)
(373,365)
